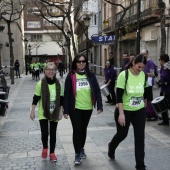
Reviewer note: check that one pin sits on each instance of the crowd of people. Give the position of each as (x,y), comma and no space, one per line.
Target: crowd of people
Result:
(131,91)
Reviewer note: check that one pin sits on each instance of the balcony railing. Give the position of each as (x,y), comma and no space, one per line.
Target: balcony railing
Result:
(108,24)
(131,13)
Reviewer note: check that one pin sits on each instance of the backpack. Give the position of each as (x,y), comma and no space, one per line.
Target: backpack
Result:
(126,79)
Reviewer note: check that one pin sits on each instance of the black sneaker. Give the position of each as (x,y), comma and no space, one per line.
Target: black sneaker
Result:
(109,155)
(77,159)
(164,123)
(82,154)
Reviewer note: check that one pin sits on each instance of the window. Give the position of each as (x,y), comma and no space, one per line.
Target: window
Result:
(36,37)
(95,19)
(33,24)
(55,21)
(57,37)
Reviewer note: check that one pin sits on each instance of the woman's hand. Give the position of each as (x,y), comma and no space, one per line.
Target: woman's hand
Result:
(66,116)
(99,111)
(32,115)
(121,119)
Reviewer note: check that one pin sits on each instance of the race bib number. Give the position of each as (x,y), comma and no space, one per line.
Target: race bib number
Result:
(136,101)
(52,106)
(82,84)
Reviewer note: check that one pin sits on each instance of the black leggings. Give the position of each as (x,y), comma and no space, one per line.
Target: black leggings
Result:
(44,134)
(37,74)
(137,118)
(80,120)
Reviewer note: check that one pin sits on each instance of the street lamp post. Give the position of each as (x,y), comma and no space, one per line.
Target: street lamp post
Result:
(37,51)
(86,24)
(138,28)
(68,47)
(26,54)
(29,49)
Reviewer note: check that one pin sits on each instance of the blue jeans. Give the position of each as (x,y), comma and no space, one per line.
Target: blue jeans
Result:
(137,119)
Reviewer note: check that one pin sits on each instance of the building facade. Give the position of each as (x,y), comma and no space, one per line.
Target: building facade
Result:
(44,41)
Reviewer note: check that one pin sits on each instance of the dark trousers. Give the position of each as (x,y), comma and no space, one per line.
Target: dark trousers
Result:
(111,88)
(150,112)
(52,132)
(61,73)
(165,117)
(112,91)
(17,73)
(37,74)
(80,120)
(137,118)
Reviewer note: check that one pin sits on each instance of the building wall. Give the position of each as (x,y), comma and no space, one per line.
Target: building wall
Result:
(18,45)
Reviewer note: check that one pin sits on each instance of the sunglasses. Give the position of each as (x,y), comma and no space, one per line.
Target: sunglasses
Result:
(81,61)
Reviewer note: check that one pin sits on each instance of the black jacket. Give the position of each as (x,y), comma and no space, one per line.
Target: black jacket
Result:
(69,96)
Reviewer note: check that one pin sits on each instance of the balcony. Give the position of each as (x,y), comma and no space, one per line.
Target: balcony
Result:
(108,25)
(131,14)
(83,45)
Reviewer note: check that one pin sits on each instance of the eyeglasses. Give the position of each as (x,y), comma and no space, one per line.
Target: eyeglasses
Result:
(50,70)
(81,61)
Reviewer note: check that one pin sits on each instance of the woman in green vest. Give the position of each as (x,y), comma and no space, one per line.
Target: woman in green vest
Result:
(49,94)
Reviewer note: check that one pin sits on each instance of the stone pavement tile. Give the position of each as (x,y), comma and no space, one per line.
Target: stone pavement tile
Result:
(68,139)
(36,163)
(18,155)
(93,160)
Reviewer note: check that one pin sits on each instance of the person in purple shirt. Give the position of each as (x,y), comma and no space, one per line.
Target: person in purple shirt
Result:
(164,84)
(110,78)
(151,70)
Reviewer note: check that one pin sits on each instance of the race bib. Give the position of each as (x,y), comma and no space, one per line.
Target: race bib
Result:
(82,84)
(52,106)
(136,101)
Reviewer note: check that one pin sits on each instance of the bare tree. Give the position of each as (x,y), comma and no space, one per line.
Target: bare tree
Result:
(10,11)
(66,10)
(161,6)
(118,27)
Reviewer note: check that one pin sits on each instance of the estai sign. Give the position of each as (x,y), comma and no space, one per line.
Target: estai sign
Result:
(106,39)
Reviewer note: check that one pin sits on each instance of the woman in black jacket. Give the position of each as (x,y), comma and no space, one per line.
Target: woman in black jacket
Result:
(81,93)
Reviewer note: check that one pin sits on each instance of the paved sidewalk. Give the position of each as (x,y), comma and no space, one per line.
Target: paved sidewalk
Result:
(20,144)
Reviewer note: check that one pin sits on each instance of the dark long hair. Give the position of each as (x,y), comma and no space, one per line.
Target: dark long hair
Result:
(76,58)
(137,59)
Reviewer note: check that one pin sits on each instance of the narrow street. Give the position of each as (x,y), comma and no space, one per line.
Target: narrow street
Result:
(20,140)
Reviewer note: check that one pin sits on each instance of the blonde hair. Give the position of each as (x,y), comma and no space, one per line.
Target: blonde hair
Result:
(51,64)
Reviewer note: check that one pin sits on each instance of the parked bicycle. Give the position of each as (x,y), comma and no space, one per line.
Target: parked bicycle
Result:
(4,92)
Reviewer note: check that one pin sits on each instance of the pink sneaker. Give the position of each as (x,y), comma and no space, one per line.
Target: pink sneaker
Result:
(53,158)
(44,153)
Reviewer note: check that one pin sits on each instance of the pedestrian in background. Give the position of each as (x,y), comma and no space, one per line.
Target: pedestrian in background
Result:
(125,61)
(131,57)
(37,70)
(32,70)
(81,93)
(151,70)
(17,65)
(49,94)
(131,109)
(61,68)
(164,84)
(111,59)
(110,78)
